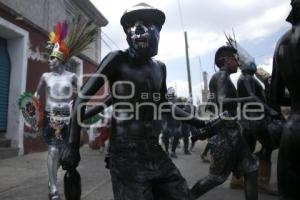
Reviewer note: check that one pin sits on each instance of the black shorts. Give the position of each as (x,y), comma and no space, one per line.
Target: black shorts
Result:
(135,177)
(230,153)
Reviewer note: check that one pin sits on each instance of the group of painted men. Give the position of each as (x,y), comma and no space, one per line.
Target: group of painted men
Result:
(139,168)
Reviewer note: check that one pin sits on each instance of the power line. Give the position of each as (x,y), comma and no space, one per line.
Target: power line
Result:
(111,40)
(102,39)
(180,14)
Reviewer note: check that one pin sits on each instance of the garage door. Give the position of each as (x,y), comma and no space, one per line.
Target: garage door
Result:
(4,84)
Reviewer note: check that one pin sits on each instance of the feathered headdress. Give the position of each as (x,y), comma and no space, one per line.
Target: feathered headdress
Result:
(246,61)
(71,39)
(56,41)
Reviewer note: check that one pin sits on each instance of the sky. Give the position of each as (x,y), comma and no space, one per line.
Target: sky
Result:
(258,24)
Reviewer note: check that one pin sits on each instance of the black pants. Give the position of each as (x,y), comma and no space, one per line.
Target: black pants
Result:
(229,153)
(258,130)
(186,136)
(137,176)
(167,135)
(288,170)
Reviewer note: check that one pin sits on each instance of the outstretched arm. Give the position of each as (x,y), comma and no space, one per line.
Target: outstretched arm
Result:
(70,157)
(210,128)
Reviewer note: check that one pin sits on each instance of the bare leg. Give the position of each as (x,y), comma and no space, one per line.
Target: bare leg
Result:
(53,165)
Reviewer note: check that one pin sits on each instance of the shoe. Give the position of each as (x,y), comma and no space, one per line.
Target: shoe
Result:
(54,196)
(173,155)
(187,152)
(205,159)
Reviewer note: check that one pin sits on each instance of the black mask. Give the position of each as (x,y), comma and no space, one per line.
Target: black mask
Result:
(294,16)
(143,39)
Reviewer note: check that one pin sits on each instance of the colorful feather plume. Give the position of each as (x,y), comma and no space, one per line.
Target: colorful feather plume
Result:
(81,35)
(75,40)
(64,30)
(61,30)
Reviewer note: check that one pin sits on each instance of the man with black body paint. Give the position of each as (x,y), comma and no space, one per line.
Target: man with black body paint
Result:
(171,128)
(139,167)
(285,75)
(229,152)
(186,128)
(254,130)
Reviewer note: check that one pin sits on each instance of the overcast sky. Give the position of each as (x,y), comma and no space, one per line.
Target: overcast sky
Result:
(258,24)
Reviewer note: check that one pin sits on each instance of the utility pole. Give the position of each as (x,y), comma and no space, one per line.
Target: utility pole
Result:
(205,91)
(200,67)
(188,63)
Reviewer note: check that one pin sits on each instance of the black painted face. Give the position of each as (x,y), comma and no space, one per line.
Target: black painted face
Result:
(294,16)
(143,39)
(296,10)
(232,63)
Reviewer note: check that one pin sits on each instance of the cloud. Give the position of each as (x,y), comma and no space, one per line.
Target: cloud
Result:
(205,22)
(267,64)
(264,24)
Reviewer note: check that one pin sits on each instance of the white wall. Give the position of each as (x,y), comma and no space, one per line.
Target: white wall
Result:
(17,40)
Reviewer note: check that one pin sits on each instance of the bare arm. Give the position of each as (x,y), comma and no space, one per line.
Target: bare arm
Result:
(75,83)
(74,88)
(40,86)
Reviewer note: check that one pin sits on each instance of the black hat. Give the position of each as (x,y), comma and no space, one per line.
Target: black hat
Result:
(143,11)
(224,51)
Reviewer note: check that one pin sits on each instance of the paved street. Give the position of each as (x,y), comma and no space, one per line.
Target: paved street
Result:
(25,177)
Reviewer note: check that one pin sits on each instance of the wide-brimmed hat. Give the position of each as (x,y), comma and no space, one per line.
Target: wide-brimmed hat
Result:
(142,11)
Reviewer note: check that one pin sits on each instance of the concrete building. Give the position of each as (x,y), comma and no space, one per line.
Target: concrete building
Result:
(24,28)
